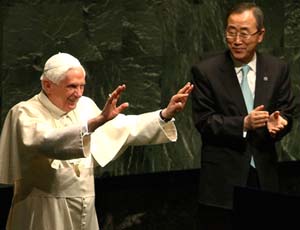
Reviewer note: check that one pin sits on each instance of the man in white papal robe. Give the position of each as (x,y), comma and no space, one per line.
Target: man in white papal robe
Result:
(50,144)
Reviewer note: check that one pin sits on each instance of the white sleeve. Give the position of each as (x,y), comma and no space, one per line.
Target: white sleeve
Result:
(112,139)
(37,135)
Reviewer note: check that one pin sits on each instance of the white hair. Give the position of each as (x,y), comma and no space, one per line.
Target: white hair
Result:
(56,67)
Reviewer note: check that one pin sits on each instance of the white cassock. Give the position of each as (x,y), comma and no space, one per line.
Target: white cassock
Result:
(49,157)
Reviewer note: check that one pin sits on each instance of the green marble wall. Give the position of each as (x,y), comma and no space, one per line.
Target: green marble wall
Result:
(147,44)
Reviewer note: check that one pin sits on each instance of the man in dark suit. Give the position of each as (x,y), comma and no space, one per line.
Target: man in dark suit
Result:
(240,115)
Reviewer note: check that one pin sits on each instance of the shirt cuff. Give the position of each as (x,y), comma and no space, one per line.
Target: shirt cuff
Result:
(163,118)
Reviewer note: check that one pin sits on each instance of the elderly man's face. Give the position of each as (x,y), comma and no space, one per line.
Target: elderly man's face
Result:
(66,94)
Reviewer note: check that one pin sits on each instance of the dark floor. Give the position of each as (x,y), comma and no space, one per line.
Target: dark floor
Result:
(151,201)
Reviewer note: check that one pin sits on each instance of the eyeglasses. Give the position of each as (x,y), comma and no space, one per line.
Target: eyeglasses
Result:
(242,35)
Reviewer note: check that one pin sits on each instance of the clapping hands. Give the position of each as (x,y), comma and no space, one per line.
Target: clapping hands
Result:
(258,118)
(276,123)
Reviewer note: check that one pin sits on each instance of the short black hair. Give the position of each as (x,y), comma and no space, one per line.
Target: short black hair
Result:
(243,6)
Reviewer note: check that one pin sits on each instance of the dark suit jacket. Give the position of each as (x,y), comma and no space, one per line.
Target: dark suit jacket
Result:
(218,112)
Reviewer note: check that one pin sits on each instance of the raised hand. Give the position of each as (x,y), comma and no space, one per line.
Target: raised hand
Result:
(178,101)
(110,109)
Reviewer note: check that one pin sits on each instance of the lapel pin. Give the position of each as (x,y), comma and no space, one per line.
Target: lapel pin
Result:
(266,78)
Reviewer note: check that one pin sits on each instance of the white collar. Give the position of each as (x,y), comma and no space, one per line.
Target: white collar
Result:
(57,112)
(252,64)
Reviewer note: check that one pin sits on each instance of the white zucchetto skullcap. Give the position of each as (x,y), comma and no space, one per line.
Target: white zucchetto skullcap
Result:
(57,65)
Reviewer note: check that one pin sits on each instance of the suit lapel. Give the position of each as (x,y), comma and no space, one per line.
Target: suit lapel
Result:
(231,84)
(262,81)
